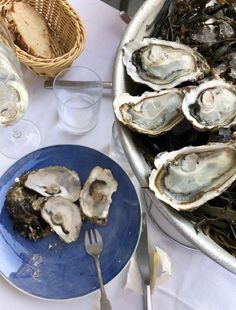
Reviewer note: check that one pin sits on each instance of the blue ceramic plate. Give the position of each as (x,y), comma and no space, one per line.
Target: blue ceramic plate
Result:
(49,268)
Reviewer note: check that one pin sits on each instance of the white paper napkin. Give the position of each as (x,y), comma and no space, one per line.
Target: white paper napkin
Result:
(160,265)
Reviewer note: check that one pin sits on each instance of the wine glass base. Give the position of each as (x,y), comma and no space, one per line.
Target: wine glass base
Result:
(19,139)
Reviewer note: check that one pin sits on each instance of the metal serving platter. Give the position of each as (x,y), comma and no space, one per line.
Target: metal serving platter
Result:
(137,28)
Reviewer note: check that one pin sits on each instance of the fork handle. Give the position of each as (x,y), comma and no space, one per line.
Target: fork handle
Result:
(148,298)
(104,302)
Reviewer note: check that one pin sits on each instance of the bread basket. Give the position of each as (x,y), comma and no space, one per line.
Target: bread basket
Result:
(66,33)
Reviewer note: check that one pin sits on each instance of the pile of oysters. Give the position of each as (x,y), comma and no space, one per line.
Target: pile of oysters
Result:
(52,199)
(185,98)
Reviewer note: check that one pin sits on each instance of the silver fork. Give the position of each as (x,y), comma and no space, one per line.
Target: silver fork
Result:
(94,246)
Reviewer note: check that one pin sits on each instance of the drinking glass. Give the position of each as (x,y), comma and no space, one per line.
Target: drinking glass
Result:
(17,136)
(79,92)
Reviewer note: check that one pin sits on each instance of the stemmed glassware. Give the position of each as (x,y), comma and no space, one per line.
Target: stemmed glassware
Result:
(17,136)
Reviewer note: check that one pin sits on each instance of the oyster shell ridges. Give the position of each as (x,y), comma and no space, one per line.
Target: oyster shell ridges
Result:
(187,178)
(211,105)
(153,113)
(163,64)
(95,196)
(64,218)
(55,181)
(20,203)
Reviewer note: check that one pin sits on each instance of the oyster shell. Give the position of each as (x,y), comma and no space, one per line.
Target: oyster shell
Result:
(95,196)
(153,113)
(163,64)
(24,207)
(54,181)
(187,178)
(64,218)
(211,105)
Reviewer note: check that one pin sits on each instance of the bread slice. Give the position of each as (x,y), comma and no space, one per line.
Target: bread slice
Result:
(30,30)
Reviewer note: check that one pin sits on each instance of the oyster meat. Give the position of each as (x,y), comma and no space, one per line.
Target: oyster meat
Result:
(153,113)
(187,178)
(163,64)
(95,196)
(54,181)
(211,105)
(64,218)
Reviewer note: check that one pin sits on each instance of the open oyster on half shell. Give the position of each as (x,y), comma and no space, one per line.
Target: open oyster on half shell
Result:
(153,113)
(95,196)
(211,105)
(54,181)
(34,210)
(187,178)
(163,64)
(64,218)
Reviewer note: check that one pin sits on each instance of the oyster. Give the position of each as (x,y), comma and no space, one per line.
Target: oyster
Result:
(54,181)
(163,64)
(211,105)
(153,113)
(24,207)
(64,218)
(95,196)
(187,178)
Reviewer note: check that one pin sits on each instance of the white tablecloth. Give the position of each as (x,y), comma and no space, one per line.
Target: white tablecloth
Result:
(196,282)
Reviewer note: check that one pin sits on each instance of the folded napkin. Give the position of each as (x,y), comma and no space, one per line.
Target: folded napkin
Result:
(160,265)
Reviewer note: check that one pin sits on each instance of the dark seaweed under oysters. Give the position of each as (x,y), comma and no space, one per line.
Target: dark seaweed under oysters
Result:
(24,207)
(206,26)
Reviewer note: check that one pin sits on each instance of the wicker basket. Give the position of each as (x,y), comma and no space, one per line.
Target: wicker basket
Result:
(67,37)
(3,2)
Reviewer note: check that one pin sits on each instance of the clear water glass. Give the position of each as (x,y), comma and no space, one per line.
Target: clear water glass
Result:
(78,106)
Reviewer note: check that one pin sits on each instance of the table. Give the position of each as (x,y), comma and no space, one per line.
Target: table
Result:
(197,282)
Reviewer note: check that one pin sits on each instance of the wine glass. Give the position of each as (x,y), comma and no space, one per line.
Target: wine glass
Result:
(17,136)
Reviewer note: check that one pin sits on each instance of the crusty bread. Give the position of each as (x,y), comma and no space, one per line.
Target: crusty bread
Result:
(30,30)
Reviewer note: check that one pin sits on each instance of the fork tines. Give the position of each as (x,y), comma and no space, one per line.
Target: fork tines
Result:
(93,242)
(93,236)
